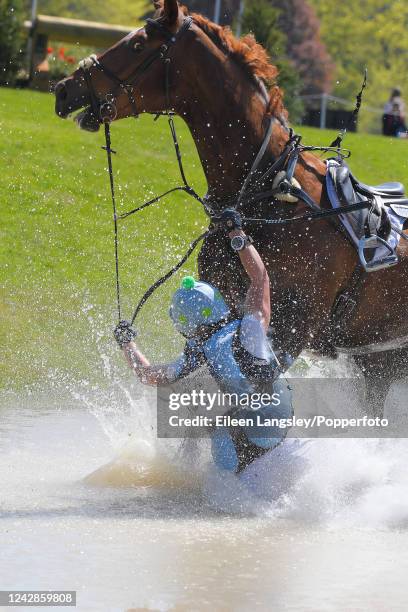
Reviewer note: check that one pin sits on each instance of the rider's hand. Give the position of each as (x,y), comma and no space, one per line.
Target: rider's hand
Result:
(124,333)
(229,219)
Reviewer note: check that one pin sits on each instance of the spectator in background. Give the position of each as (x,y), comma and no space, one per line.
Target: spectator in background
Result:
(394,116)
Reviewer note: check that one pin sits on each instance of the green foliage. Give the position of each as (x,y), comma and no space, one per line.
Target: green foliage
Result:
(11,40)
(63,59)
(291,84)
(304,46)
(120,11)
(372,34)
(262,20)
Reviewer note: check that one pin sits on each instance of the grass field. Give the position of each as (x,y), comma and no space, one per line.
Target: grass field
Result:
(57,300)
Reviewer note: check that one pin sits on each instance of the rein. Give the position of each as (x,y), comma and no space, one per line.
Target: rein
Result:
(105,111)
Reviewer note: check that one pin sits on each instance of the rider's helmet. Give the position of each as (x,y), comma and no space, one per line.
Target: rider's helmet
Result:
(196,304)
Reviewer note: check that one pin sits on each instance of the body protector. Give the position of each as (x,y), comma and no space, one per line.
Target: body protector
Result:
(240,371)
(241,360)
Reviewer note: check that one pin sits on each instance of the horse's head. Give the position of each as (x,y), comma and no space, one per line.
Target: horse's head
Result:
(194,67)
(130,77)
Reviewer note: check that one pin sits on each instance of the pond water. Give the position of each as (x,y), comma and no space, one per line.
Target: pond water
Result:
(91,502)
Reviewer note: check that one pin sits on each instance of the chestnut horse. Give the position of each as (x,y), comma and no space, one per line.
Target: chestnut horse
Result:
(216,83)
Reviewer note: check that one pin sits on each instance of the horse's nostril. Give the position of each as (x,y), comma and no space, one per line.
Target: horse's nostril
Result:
(61,91)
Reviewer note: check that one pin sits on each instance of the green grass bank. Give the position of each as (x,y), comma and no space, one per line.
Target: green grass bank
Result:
(57,292)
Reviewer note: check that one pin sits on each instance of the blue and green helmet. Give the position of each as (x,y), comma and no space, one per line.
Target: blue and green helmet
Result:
(196,303)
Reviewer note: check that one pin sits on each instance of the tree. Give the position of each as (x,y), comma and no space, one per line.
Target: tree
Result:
(127,12)
(291,84)
(298,23)
(304,47)
(11,40)
(229,9)
(262,20)
(372,34)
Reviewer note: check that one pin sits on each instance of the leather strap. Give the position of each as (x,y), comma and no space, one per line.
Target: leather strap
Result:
(127,84)
(347,300)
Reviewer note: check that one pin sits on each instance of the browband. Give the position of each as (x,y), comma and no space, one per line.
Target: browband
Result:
(166,32)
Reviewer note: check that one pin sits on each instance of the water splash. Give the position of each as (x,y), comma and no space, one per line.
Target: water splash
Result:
(336,482)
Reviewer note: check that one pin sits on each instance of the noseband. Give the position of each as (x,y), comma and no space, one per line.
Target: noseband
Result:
(105,109)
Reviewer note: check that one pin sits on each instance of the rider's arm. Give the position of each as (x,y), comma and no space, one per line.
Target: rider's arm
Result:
(164,374)
(257,302)
(148,374)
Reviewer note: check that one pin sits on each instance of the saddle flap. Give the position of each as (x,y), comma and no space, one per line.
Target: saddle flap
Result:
(385,190)
(369,229)
(399,209)
(344,186)
(360,222)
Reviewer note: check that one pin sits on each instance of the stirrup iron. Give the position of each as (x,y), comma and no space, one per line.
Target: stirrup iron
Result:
(373,242)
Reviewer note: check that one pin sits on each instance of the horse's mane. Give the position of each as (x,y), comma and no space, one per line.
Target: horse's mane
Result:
(249,54)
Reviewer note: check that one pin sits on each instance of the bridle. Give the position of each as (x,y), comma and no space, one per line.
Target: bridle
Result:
(105,111)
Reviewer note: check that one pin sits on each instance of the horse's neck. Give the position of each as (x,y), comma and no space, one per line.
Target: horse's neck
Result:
(228,125)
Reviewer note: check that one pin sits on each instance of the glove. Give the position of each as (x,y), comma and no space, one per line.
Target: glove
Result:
(124,333)
(229,219)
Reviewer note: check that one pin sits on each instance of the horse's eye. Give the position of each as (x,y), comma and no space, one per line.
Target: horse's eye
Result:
(138,46)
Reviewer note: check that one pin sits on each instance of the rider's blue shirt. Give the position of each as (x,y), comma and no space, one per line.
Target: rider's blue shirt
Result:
(240,358)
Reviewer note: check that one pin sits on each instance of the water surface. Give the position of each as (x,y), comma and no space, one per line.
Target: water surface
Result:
(90,502)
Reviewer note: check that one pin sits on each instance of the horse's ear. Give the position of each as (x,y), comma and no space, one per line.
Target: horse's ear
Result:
(171,10)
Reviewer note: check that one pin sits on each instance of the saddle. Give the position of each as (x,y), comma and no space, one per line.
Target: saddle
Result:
(375,230)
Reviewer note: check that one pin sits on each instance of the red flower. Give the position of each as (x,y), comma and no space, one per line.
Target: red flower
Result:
(70,59)
(61,52)
(49,50)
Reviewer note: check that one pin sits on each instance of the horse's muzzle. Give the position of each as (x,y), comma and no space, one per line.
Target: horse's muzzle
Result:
(61,97)
(70,96)
(87,120)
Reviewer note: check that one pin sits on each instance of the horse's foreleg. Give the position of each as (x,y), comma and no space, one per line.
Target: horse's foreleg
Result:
(377,388)
(380,370)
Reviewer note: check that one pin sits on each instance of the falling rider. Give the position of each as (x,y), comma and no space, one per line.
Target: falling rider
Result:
(235,350)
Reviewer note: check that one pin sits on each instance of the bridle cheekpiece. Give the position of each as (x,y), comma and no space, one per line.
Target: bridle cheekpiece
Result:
(105,109)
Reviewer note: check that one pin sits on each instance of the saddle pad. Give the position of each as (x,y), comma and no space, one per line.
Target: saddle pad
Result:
(354,222)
